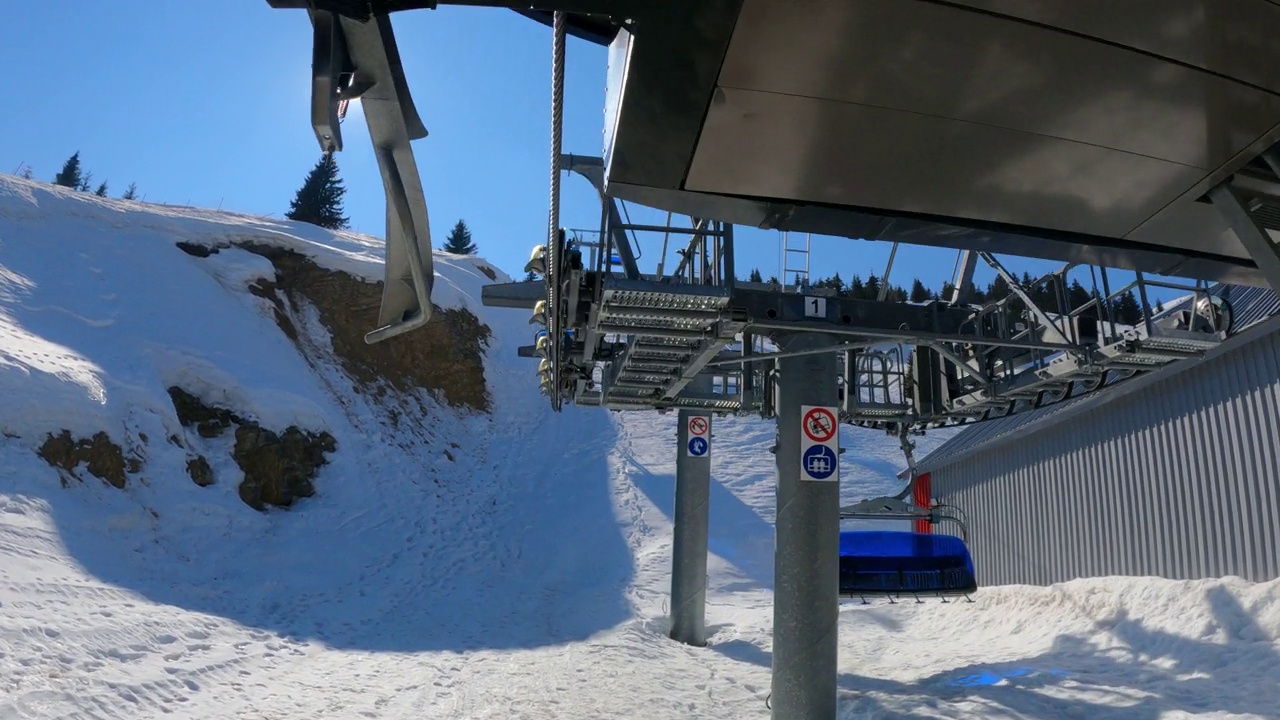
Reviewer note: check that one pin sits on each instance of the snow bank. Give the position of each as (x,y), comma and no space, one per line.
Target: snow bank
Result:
(100,311)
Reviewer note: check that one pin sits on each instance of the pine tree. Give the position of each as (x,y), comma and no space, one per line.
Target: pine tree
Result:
(530,276)
(1159,306)
(84,182)
(857,290)
(872,287)
(1039,293)
(1077,295)
(102,189)
(835,283)
(70,174)
(998,289)
(459,240)
(919,293)
(319,200)
(131,192)
(1127,309)
(755,276)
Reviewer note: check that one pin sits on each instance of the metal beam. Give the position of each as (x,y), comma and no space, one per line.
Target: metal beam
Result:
(1251,234)
(694,365)
(807,560)
(907,335)
(689,547)
(514,294)
(1051,329)
(765,357)
(959,362)
(962,283)
(592,168)
(888,270)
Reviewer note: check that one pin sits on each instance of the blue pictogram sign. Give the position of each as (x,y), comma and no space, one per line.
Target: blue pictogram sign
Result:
(819,462)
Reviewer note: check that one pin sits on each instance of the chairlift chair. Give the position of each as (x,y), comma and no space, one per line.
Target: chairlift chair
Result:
(894,563)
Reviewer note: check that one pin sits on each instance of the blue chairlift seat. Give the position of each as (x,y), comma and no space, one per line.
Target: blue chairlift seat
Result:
(894,563)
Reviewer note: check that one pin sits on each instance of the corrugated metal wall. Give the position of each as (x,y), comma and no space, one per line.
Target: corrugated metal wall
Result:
(1180,480)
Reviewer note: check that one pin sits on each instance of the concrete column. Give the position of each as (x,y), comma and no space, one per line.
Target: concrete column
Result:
(689,561)
(806,561)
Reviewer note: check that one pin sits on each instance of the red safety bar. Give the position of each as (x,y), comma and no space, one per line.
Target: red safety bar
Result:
(922,496)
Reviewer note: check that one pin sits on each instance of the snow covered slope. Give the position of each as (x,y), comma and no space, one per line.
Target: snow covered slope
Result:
(454,561)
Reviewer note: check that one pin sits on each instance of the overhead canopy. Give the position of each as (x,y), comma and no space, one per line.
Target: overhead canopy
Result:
(1080,130)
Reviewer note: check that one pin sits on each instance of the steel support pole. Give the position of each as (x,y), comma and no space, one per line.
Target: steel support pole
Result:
(807,560)
(689,551)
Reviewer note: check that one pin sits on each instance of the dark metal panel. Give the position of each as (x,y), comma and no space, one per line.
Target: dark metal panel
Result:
(951,62)
(1233,37)
(675,55)
(1192,226)
(1189,224)
(866,224)
(799,148)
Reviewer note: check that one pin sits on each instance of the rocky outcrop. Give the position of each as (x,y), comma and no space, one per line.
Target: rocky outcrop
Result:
(209,421)
(104,459)
(200,471)
(278,468)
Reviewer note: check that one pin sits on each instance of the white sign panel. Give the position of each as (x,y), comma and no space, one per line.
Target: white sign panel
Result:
(815,307)
(699,444)
(819,444)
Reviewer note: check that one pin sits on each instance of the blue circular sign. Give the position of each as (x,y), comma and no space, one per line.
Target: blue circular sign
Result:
(697,446)
(819,462)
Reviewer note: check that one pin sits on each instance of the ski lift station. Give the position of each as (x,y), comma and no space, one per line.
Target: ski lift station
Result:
(1133,143)
(1171,475)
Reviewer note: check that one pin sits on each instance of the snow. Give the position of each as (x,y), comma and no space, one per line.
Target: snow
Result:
(525,578)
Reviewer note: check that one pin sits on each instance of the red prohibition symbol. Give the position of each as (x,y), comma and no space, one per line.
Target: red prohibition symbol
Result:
(698,426)
(819,425)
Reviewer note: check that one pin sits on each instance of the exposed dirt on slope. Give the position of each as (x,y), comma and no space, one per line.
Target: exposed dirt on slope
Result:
(444,356)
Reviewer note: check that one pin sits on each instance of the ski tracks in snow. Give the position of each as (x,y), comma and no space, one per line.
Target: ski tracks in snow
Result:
(72,647)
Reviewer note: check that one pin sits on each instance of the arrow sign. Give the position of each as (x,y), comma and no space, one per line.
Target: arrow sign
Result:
(698,446)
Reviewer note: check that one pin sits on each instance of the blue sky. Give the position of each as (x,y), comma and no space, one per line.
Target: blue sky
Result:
(207,104)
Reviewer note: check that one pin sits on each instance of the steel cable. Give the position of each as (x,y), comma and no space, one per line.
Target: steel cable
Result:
(553,223)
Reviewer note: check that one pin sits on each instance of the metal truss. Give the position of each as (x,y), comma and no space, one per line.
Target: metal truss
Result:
(631,340)
(618,338)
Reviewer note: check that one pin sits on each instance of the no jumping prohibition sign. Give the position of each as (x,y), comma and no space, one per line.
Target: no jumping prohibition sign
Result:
(819,424)
(697,425)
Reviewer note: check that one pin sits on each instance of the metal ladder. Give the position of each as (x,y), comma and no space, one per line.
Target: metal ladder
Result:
(795,247)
